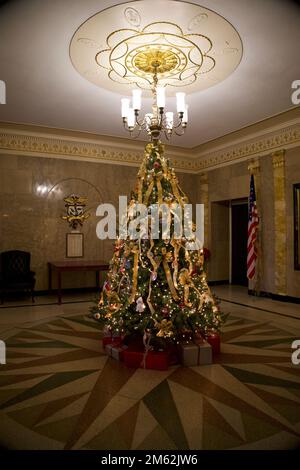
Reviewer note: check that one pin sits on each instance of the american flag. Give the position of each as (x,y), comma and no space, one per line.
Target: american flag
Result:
(252,231)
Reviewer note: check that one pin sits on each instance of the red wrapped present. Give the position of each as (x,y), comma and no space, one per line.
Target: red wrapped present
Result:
(133,358)
(157,360)
(215,341)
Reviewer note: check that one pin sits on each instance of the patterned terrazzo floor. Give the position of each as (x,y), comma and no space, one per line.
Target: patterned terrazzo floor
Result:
(58,390)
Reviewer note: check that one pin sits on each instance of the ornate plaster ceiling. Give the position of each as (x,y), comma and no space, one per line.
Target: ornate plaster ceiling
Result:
(196,47)
(43,87)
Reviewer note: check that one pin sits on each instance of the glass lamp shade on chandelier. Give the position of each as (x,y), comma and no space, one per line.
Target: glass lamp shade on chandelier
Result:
(159,121)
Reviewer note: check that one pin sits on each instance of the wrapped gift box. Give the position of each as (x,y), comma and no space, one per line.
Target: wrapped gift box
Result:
(116,351)
(111,340)
(205,352)
(195,353)
(172,354)
(215,341)
(157,360)
(154,359)
(188,354)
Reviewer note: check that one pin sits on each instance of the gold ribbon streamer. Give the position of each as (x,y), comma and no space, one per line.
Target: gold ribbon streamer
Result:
(175,190)
(150,256)
(164,165)
(188,258)
(119,286)
(149,297)
(146,342)
(176,245)
(139,188)
(168,273)
(135,252)
(186,282)
(159,189)
(148,192)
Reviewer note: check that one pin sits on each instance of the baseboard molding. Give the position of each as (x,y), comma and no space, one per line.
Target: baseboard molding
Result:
(218,283)
(71,290)
(269,295)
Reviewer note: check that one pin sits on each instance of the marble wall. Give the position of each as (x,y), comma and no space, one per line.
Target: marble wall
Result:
(232,182)
(31,220)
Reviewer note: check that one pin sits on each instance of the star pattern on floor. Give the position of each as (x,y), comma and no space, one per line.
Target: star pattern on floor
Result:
(60,388)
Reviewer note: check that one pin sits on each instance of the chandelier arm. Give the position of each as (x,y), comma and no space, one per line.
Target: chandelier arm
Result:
(178,125)
(137,135)
(140,123)
(180,133)
(167,135)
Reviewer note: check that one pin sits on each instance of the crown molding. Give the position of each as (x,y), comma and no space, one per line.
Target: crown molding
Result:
(255,141)
(259,145)
(39,141)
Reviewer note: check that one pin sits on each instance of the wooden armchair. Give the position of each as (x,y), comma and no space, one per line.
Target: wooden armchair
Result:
(15,274)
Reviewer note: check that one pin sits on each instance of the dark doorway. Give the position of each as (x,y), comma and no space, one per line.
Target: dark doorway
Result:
(239,235)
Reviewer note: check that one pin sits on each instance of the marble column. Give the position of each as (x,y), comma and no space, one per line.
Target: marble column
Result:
(278,160)
(203,199)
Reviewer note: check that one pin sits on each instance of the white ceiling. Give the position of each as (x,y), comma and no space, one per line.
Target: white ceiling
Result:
(43,87)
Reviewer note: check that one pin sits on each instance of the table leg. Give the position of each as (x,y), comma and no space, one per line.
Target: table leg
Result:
(49,278)
(59,285)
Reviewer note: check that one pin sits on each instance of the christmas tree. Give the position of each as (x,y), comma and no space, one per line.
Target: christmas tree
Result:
(158,285)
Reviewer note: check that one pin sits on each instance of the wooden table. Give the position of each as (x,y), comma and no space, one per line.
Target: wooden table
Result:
(59,267)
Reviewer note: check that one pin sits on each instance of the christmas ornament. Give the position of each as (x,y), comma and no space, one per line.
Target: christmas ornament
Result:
(165,311)
(140,306)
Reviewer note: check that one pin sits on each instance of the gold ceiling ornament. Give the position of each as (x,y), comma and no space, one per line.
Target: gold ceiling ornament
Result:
(155,60)
(194,46)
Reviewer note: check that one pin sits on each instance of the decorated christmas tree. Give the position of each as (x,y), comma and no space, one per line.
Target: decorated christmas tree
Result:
(157,286)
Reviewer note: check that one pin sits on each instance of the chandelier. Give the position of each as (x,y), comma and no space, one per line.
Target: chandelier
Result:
(159,121)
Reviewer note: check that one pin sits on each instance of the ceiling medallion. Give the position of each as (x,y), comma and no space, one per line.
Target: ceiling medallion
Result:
(154,60)
(186,44)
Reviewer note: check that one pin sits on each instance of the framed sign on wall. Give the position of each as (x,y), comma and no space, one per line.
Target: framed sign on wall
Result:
(74,245)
